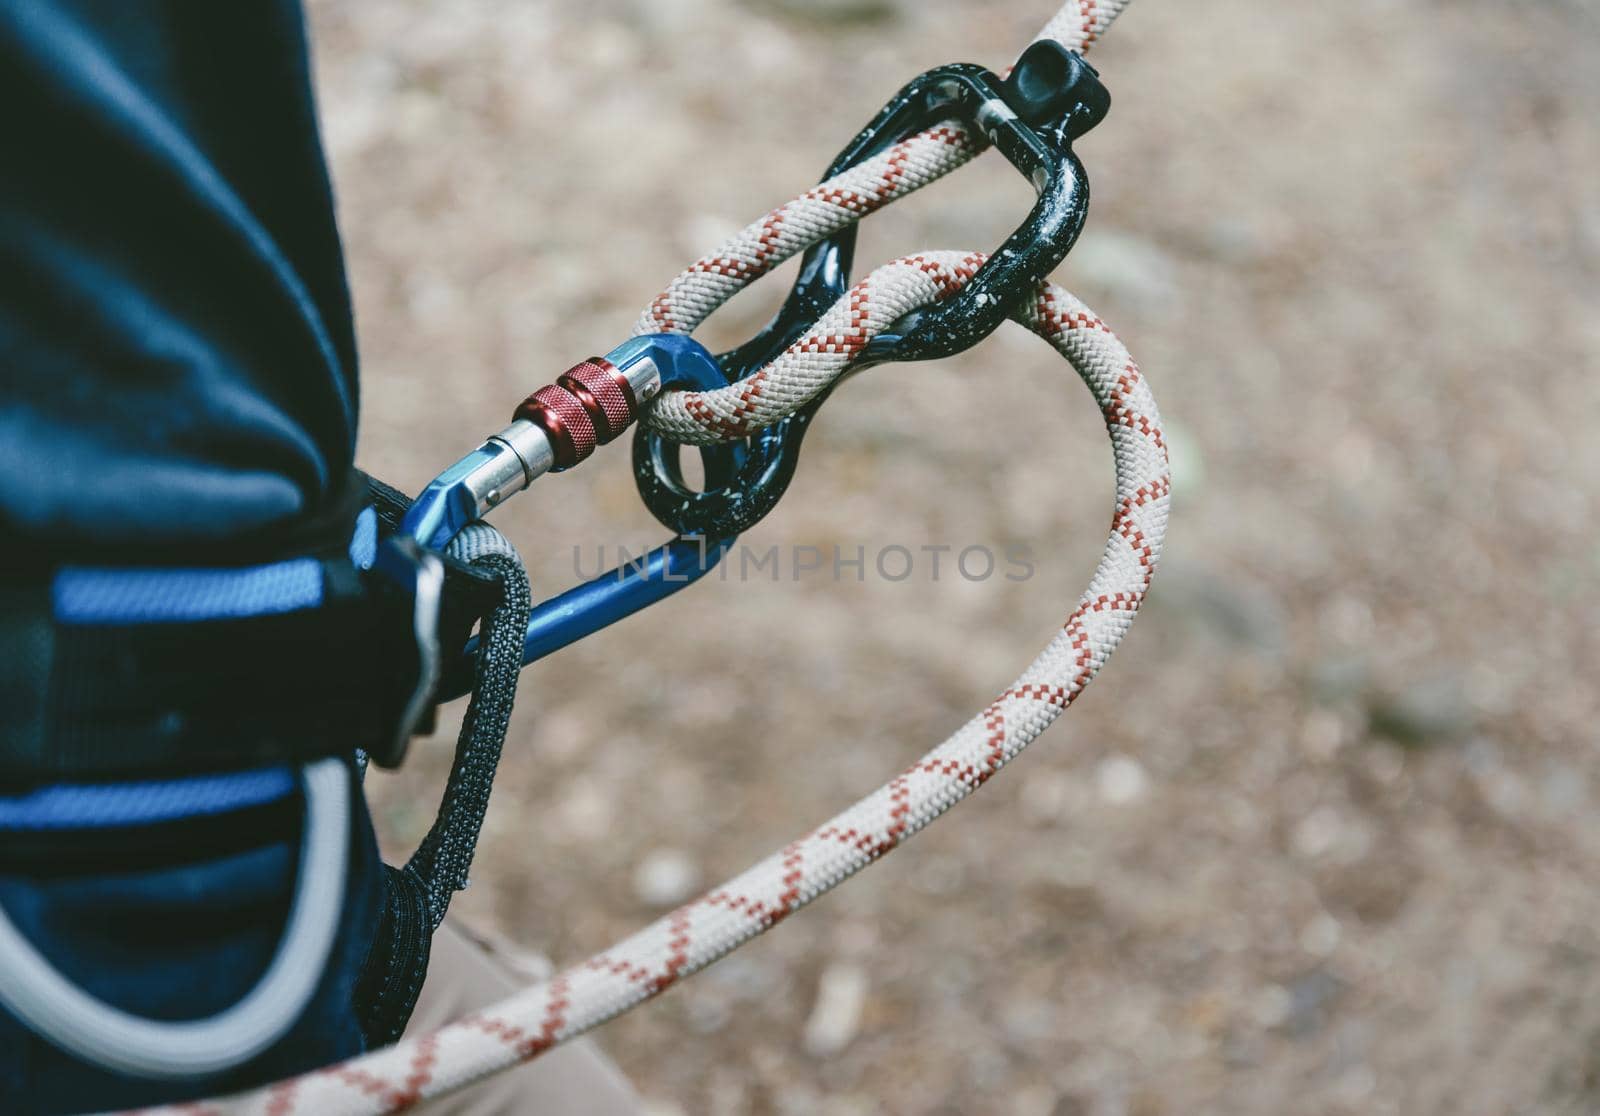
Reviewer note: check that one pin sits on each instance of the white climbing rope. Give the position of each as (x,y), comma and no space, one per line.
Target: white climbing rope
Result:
(692,937)
(700,932)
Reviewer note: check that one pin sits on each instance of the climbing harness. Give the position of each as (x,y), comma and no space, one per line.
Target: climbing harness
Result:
(439,569)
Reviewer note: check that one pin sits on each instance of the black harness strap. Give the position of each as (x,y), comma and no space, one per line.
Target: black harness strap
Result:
(90,702)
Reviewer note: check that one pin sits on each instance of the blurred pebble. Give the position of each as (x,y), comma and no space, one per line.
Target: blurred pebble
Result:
(744,979)
(856,938)
(1035,1100)
(665,878)
(1029,1020)
(1347,620)
(1185,461)
(1322,734)
(1503,791)
(988,1070)
(1246,616)
(826,13)
(952,977)
(1126,267)
(1236,239)
(1340,678)
(1385,763)
(1320,937)
(1049,796)
(1434,710)
(585,813)
(1272,1006)
(703,232)
(939,875)
(1121,780)
(1316,834)
(1309,999)
(707,1016)
(1356,1084)
(836,1018)
(1563,789)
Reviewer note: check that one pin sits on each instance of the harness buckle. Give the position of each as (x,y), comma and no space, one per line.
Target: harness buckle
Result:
(419,574)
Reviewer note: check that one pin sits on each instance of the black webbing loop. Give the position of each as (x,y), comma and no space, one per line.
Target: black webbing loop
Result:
(419,894)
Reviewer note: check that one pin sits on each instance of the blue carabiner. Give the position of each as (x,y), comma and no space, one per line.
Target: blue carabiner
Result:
(555,428)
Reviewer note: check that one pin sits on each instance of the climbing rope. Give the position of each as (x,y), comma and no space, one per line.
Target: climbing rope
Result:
(698,933)
(824,210)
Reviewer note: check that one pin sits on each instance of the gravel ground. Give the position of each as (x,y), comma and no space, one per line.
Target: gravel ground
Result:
(1323,837)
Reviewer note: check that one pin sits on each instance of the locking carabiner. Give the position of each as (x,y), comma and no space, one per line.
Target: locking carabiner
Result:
(554,429)
(1051,98)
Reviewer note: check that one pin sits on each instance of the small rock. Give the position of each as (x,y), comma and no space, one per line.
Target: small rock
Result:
(1236,240)
(665,878)
(1356,1084)
(708,1016)
(585,814)
(702,232)
(1430,712)
(743,979)
(1309,1000)
(939,875)
(1121,780)
(661,1108)
(826,13)
(1563,790)
(1320,936)
(1049,797)
(1127,267)
(1185,461)
(1322,734)
(1246,616)
(855,938)
(1029,1020)
(1340,678)
(836,1019)
(1273,1006)
(1034,1100)
(1318,832)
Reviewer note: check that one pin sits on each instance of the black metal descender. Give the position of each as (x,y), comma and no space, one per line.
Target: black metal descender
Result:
(1051,98)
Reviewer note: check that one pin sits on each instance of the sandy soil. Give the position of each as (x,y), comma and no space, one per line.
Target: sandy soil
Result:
(1323,838)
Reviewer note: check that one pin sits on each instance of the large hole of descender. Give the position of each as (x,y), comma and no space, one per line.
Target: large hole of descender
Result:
(685,471)
(689,468)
